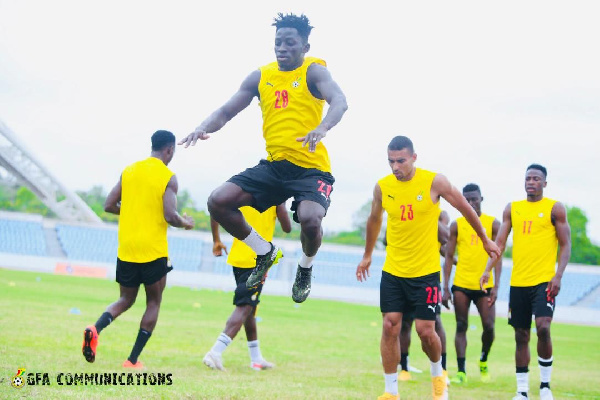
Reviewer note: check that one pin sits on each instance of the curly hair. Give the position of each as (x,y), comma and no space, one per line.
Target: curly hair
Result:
(300,23)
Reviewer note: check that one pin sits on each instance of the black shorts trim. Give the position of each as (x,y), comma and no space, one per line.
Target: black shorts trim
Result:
(473,295)
(131,274)
(421,295)
(526,301)
(273,182)
(243,295)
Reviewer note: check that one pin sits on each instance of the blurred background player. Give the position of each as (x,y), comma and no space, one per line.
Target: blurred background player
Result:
(241,258)
(292,92)
(146,200)
(472,260)
(540,227)
(410,279)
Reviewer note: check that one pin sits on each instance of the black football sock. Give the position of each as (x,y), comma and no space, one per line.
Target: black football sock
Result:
(461,364)
(140,342)
(404,361)
(104,320)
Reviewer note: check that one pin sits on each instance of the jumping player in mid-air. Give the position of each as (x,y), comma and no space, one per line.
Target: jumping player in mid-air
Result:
(292,92)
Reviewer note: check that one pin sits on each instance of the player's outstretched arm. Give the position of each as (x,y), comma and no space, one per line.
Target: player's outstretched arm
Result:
(442,187)
(501,238)
(448,262)
(240,100)
(170,207)
(284,218)
(563,233)
(323,86)
(373,228)
(113,200)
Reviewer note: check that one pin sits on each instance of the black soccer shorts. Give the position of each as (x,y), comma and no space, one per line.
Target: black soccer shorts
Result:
(527,301)
(131,274)
(273,182)
(243,295)
(421,295)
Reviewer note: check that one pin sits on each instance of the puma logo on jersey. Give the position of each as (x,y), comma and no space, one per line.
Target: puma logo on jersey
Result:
(551,306)
(269,84)
(391,197)
(432,308)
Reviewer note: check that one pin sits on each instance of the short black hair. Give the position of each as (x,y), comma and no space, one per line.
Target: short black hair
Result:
(301,23)
(471,187)
(401,142)
(162,139)
(539,168)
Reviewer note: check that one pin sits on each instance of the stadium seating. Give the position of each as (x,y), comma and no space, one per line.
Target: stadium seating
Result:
(88,244)
(185,253)
(574,286)
(332,267)
(22,237)
(97,244)
(339,268)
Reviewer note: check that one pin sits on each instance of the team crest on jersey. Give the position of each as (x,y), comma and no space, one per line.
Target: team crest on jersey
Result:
(541,215)
(420,196)
(296,83)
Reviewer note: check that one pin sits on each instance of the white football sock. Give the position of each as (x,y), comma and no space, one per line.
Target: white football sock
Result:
(305,261)
(545,370)
(436,368)
(254,349)
(391,383)
(221,344)
(257,243)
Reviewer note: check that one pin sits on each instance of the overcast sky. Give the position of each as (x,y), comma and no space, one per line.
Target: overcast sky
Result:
(482,89)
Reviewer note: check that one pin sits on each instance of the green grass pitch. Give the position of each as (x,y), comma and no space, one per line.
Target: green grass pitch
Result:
(323,349)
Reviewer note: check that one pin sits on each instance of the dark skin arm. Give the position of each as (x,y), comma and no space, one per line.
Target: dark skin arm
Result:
(373,228)
(218,246)
(563,234)
(113,200)
(501,238)
(497,267)
(284,218)
(170,207)
(448,262)
(322,86)
(239,101)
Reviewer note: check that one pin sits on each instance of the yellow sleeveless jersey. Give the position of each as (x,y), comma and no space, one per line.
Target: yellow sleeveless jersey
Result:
(240,254)
(535,244)
(412,225)
(290,111)
(472,258)
(142,225)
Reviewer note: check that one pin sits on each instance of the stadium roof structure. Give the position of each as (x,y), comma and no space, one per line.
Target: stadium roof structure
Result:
(27,170)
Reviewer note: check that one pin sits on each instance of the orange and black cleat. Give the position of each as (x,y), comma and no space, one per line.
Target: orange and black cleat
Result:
(90,342)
